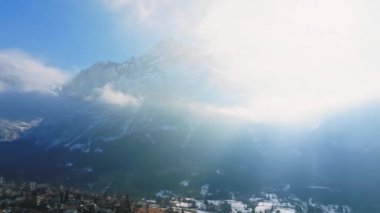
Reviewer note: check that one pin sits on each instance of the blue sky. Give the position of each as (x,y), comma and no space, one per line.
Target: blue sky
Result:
(69,34)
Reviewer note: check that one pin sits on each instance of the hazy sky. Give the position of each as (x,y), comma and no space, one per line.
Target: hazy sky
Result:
(297,58)
(69,34)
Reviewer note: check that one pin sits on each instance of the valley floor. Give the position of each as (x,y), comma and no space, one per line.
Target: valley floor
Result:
(40,197)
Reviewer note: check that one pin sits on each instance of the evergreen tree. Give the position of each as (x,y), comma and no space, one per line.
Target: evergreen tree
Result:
(226,208)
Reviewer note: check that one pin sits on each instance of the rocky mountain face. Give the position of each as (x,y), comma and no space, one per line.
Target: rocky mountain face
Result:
(134,122)
(170,70)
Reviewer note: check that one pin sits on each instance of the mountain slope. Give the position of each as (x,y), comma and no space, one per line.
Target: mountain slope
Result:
(145,125)
(11,130)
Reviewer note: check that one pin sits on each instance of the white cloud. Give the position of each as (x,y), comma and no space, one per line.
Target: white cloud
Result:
(298,58)
(24,73)
(164,17)
(110,96)
(293,59)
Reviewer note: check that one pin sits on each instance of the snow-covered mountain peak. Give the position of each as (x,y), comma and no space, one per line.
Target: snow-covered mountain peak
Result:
(167,47)
(169,67)
(101,65)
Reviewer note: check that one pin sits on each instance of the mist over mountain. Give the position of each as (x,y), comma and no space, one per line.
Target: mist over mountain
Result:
(158,122)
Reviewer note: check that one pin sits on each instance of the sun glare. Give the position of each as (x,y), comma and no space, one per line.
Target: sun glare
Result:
(297,58)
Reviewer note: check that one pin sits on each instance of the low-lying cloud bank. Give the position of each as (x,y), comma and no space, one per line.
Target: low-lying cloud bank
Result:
(110,96)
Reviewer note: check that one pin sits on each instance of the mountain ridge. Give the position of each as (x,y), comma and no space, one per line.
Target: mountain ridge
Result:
(156,139)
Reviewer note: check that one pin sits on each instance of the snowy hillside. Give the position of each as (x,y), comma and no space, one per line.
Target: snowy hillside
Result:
(11,130)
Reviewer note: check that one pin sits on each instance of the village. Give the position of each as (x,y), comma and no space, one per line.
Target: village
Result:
(42,197)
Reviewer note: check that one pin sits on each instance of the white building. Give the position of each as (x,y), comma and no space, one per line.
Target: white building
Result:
(273,207)
(264,207)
